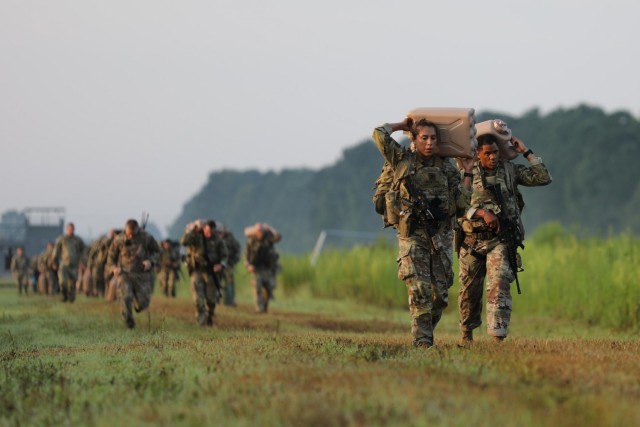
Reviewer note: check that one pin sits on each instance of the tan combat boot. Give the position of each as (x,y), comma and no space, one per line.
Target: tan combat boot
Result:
(466,338)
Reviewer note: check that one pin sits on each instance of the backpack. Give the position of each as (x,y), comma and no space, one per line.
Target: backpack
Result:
(381,186)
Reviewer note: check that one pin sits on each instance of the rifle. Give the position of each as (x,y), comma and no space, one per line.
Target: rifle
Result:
(144,220)
(510,233)
(424,212)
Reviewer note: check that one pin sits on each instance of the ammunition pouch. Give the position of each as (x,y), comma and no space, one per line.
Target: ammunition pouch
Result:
(392,207)
(405,225)
(379,202)
(483,235)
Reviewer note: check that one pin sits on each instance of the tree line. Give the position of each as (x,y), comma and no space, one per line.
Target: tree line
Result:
(590,154)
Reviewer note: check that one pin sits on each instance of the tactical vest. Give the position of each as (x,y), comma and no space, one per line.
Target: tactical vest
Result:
(261,253)
(71,250)
(427,177)
(505,177)
(132,252)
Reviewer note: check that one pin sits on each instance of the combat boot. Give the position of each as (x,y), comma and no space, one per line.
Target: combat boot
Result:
(424,344)
(130,322)
(422,331)
(466,337)
(498,339)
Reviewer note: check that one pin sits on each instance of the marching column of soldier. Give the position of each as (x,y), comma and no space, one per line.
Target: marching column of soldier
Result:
(123,264)
(420,193)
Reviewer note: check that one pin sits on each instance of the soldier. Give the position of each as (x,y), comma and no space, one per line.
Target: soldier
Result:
(66,259)
(207,257)
(492,228)
(425,194)
(47,281)
(97,259)
(20,270)
(132,255)
(111,282)
(35,273)
(228,275)
(169,267)
(261,260)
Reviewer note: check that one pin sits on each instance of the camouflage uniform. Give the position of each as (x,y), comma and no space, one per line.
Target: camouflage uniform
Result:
(99,271)
(228,275)
(133,282)
(35,273)
(47,281)
(425,256)
(262,256)
(203,254)
(20,271)
(382,186)
(96,262)
(484,254)
(169,267)
(67,256)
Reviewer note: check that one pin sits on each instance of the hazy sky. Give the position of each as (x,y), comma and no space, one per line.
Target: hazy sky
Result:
(117,106)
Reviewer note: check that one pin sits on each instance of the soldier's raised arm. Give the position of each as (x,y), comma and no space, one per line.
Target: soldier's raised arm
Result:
(389,147)
(534,175)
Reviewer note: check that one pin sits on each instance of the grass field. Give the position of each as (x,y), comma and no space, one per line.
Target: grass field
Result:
(309,362)
(593,280)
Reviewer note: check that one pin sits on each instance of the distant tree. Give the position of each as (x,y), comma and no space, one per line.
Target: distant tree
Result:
(591,156)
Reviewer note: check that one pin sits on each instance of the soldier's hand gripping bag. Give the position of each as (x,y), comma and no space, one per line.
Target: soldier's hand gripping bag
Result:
(499,129)
(456,127)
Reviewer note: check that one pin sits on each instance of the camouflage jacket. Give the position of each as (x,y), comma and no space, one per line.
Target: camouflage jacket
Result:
(233,248)
(170,258)
(19,265)
(92,253)
(508,176)
(129,254)
(435,179)
(45,259)
(68,251)
(261,253)
(203,253)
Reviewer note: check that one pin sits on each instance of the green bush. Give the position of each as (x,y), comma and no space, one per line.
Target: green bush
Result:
(593,280)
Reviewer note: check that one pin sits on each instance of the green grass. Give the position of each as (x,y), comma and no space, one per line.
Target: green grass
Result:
(310,362)
(593,280)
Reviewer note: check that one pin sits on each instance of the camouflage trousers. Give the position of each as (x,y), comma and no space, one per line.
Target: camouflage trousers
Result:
(97,278)
(205,295)
(228,276)
(167,278)
(134,293)
(67,279)
(264,283)
(488,259)
(87,286)
(428,277)
(22,281)
(47,283)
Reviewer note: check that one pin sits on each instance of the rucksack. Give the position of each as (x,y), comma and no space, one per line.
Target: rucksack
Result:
(381,186)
